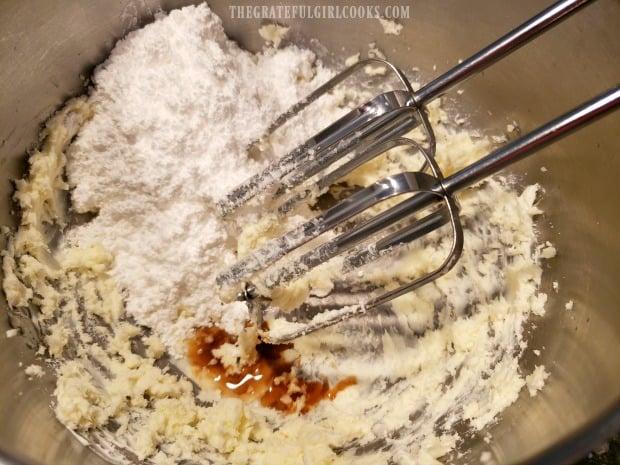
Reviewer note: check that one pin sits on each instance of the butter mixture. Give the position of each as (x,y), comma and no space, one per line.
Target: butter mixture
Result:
(119,244)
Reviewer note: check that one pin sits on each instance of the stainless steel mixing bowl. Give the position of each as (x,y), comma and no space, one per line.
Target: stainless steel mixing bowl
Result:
(47,47)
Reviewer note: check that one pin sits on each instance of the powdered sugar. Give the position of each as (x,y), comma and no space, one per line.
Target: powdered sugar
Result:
(173,119)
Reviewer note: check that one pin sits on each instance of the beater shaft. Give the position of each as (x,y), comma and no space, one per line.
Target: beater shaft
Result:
(375,118)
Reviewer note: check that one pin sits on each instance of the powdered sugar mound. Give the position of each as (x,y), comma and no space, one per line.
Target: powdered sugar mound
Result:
(173,119)
(176,92)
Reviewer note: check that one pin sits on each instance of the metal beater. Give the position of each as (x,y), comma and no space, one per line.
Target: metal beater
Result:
(359,136)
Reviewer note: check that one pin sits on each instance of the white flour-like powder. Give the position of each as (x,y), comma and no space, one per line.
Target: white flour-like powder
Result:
(163,136)
(175,113)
